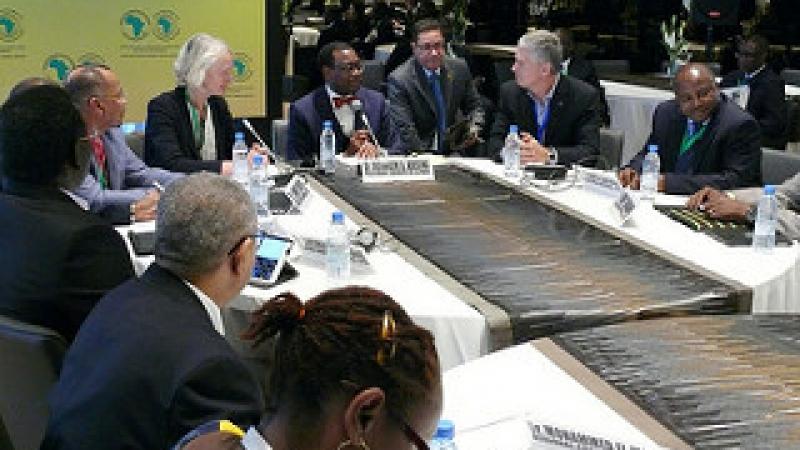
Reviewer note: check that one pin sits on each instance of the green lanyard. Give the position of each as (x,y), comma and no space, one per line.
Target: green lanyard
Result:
(688,141)
(198,126)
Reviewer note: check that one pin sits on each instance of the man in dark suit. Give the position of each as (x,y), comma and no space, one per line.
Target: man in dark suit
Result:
(57,259)
(428,94)
(581,68)
(703,139)
(344,102)
(119,187)
(151,362)
(558,116)
(764,90)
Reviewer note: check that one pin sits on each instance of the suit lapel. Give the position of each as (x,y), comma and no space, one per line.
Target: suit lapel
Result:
(420,81)
(560,97)
(180,94)
(524,112)
(447,88)
(323,105)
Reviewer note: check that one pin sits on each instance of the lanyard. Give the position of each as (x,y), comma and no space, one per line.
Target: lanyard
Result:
(688,140)
(198,126)
(540,128)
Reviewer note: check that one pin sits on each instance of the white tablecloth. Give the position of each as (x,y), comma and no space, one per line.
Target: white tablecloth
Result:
(461,333)
(491,399)
(774,278)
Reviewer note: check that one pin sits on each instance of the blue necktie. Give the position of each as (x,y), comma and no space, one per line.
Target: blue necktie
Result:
(441,115)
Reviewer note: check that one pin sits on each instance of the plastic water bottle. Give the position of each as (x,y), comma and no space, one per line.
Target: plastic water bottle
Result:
(651,169)
(259,186)
(327,147)
(511,153)
(337,249)
(444,439)
(766,220)
(240,159)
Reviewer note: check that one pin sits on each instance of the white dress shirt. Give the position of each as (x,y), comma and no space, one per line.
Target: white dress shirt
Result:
(212,309)
(209,150)
(345,114)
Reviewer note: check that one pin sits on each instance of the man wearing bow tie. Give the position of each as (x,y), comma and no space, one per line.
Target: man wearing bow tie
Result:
(703,139)
(765,100)
(352,109)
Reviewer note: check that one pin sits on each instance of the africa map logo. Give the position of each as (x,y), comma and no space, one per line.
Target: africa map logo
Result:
(58,66)
(166,25)
(10,25)
(242,67)
(137,24)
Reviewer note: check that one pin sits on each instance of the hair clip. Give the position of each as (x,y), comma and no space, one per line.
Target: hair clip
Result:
(387,343)
(301,313)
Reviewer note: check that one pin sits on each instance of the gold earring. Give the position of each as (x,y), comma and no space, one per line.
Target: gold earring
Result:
(362,444)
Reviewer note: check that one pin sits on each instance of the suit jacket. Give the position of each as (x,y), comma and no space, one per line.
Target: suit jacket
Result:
(169,141)
(767,103)
(727,156)
(307,114)
(57,260)
(583,69)
(146,368)
(129,179)
(573,128)
(412,108)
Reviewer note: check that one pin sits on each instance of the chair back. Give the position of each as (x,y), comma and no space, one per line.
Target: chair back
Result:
(280,137)
(30,365)
(5,441)
(778,166)
(373,76)
(611,143)
(793,119)
(791,76)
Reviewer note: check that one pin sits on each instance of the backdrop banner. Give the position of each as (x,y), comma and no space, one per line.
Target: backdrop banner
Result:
(138,39)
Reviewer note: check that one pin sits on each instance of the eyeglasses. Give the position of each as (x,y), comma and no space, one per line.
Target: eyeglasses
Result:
(431,46)
(257,238)
(350,67)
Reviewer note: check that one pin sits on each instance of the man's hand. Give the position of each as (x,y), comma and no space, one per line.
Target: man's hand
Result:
(145,208)
(226,169)
(531,151)
(718,205)
(702,196)
(629,178)
(360,145)
(256,149)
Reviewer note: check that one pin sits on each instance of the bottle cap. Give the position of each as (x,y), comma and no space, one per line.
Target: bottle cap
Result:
(769,189)
(652,148)
(328,125)
(239,136)
(445,430)
(513,129)
(258,160)
(338,217)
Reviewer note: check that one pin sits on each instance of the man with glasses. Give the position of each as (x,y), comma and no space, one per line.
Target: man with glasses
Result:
(353,110)
(759,91)
(151,361)
(119,187)
(433,104)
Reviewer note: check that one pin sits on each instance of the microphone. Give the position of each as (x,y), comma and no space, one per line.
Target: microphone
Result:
(358,110)
(266,148)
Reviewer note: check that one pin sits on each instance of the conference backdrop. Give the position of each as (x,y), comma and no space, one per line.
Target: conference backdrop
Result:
(138,39)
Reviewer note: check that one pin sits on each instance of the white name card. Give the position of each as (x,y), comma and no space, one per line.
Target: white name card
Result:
(600,182)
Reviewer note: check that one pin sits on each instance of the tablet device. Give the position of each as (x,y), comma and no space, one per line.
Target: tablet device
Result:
(271,255)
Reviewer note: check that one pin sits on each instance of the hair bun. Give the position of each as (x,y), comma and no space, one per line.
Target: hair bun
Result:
(279,314)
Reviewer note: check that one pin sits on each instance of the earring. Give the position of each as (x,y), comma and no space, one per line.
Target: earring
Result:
(362,444)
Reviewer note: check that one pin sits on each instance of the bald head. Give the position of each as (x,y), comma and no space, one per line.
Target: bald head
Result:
(696,91)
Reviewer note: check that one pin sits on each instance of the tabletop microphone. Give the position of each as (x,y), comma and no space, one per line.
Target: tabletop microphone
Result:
(264,146)
(358,110)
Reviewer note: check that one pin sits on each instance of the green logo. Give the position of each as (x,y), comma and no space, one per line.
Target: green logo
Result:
(166,25)
(10,29)
(91,59)
(57,66)
(242,67)
(134,24)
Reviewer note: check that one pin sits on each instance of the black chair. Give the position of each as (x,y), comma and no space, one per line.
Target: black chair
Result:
(5,441)
(793,120)
(611,143)
(280,137)
(30,365)
(373,76)
(778,166)
(791,76)
(135,141)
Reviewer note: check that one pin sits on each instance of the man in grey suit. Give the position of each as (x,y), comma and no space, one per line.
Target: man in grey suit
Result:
(119,187)
(429,94)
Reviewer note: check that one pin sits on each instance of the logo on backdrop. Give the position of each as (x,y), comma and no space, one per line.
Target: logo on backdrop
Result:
(57,67)
(242,67)
(10,25)
(134,24)
(91,59)
(165,25)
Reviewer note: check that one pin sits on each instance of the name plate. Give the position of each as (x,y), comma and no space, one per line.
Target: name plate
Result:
(383,170)
(298,192)
(624,206)
(600,182)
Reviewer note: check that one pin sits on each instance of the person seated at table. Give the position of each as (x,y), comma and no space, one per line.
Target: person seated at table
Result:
(581,68)
(765,99)
(558,116)
(58,258)
(337,101)
(119,186)
(352,370)
(741,205)
(703,139)
(190,128)
(151,362)
(426,94)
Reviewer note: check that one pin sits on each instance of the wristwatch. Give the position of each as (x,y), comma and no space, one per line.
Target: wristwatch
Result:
(133,212)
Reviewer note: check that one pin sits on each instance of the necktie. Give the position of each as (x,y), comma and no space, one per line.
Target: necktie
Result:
(343,100)
(99,150)
(441,115)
